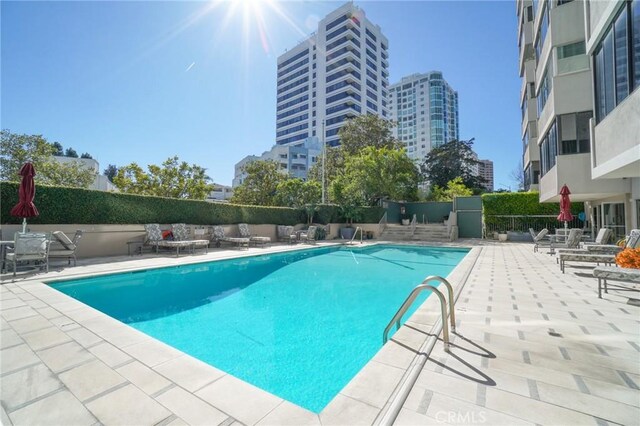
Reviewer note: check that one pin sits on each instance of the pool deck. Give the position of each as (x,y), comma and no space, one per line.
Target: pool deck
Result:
(535,347)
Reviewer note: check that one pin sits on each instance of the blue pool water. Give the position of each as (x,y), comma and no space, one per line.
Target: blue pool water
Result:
(299,325)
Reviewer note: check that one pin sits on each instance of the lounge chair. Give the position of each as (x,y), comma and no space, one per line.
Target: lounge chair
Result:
(310,235)
(633,241)
(181,233)
(286,233)
(219,237)
(602,238)
(572,241)
(538,239)
(68,247)
(154,239)
(628,275)
(246,233)
(30,247)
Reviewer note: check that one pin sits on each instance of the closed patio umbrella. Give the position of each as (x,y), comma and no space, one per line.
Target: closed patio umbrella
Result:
(26,193)
(565,206)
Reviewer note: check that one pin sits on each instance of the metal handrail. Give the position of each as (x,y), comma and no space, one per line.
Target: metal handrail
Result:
(443,307)
(414,222)
(354,235)
(382,224)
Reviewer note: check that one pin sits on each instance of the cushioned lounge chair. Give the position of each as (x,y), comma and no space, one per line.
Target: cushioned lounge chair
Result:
(181,233)
(309,235)
(219,237)
(246,233)
(154,239)
(602,238)
(626,275)
(64,248)
(633,241)
(30,247)
(538,239)
(286,233)
(572,241)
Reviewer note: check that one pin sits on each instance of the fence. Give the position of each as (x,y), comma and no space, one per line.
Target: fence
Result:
(522,223)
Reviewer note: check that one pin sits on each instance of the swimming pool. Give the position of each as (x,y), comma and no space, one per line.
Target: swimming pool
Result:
(297,324)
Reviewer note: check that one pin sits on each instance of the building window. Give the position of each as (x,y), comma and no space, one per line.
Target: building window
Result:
(549,149)
(572,49)
(573,130)
(545,88)
(616,59)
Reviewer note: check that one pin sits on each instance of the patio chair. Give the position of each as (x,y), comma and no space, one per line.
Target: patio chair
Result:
(633,241)
(219,237)
(246,233)
(602,238)
(181,233)
(573,241)
(30,247)
(310,235)
(286,233)
(538,239)
(65,248)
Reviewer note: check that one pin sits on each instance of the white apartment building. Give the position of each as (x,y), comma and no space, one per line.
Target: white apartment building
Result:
(425,108)
(339,72)
(100,182)
(294,160)
(485,171)
(220,194)
(573,63)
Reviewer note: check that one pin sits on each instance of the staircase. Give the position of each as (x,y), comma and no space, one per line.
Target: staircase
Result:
(429,232)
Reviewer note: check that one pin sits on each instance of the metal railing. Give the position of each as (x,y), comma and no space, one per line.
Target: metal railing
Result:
(414,223)
(443,308)
(382,224)
(522,223)
(354,235)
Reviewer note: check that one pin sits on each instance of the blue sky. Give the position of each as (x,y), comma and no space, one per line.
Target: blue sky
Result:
(142,81)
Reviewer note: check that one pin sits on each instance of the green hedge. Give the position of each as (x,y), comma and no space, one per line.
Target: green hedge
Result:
(62,205)
(521,203)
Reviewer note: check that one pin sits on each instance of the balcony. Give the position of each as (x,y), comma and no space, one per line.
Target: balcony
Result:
(575,171)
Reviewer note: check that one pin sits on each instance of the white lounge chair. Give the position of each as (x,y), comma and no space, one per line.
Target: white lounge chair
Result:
(30,247)
(181,233)
(246,233)
(64,248)
(633,241)
(538,239)
(219,237)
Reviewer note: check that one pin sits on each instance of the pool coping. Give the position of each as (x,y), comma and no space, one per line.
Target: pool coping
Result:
(369,396)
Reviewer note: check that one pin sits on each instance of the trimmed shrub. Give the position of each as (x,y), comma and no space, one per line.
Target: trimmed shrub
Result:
(62,205)
(58,205)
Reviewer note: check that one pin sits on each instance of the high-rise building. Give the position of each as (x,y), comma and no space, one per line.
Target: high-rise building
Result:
(567,47)
(339,72)
(425,108)
(485,171)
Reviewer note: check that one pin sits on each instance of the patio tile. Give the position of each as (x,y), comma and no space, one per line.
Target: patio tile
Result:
(45,338)
(109,354)
(230,395)
(28,384)
(17,357)
(9,338)
(14,302)
(4,417)
(375,384)
(288,414)
(143,377)
(188,372)
(190,408)
(48,411)
(127,406)
(343,410)
(31,323)
(84,336)
(411,418)
(152,352)
(18,313)
(64,356)
(91,379)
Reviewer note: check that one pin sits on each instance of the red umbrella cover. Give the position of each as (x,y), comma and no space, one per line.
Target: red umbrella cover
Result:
(565,205)
(26,194)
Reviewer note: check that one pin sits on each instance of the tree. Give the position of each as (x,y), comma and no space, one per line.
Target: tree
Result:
(517,176)
(59,151)
(296,193)
(449,161)
(367,130)
(19,149)
(261,184)
(455,188)
(70,152)
(375,174)
(173,179)
(111,171)
(86,155)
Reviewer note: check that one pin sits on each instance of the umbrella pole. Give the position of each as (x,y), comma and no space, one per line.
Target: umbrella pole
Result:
(24,225)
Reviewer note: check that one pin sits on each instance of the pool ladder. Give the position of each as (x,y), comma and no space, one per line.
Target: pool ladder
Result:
(354,235)
(443,308)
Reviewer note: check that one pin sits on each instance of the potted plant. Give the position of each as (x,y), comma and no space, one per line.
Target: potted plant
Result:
(369,235)
(502,236)
(350,212)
